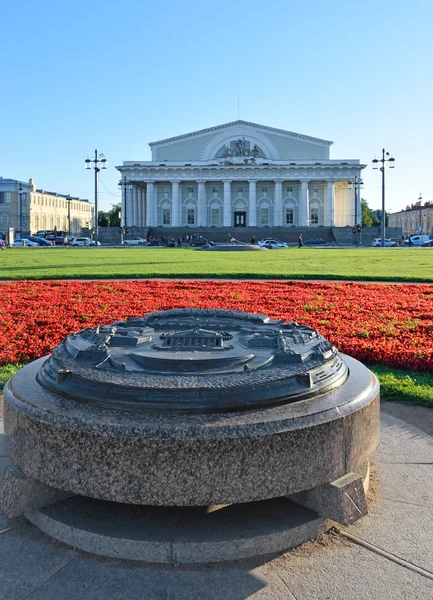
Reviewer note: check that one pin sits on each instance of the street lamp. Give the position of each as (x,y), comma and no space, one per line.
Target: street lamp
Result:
(124,185)
(383,160)
(420,214)
(68,198)
(21,193)
(357,183)
(89,164)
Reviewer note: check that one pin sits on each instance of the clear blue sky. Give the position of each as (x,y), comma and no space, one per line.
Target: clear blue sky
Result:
(116,75)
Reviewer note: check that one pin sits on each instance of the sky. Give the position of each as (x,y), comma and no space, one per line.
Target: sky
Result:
(115,76)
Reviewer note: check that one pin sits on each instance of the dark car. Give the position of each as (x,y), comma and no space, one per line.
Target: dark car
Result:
(201,242)
(58,240)
(314,241)
(39,240)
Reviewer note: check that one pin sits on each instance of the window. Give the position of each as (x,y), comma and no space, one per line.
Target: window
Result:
(315,189)
(240,190)
(5,218)
(166,190)
(190,190)
(166,216)
(289,216)
(314,216)
(5,197)
(215,216)
(264,216)
(190,216)
(264,190)
(289,189)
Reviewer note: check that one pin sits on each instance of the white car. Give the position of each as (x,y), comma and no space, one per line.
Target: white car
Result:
(135,241)
(82,241)
(272,243)
(25,243)
(377,243)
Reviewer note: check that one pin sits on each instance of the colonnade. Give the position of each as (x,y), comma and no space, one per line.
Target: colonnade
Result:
(140,203)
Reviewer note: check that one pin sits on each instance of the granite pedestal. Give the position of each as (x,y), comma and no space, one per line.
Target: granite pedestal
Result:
(216,442)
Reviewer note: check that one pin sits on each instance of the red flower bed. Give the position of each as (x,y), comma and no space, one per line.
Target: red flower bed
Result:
(388,324)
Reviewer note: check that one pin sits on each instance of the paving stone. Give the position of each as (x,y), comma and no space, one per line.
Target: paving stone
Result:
(402,443)
(412,484)
(94,579)
(28,560)
(405,530)
(346,573)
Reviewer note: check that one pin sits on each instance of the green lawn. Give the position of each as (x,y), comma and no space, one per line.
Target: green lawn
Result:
(371,264)
(395,385)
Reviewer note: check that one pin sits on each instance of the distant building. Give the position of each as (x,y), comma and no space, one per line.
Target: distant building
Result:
(40,209)
(413,217)
(240,175)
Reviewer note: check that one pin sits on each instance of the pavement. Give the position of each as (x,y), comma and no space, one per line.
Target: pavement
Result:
(389,554)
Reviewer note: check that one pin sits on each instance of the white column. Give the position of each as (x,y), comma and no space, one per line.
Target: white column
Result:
(175,204)
(278,204)
(252,205)
(150,202)
(140,207)
(304,205)
(123,207)
(128,213)
(227,211)
(135,209)
(201,208)
(329,205)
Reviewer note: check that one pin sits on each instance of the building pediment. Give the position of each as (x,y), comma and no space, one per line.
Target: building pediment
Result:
(240,140)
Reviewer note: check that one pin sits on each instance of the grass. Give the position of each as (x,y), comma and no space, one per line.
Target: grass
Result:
(395,385)
(368,264)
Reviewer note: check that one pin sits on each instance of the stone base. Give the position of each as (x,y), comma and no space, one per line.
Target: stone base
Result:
(184,535)
(20,493)
(342,500)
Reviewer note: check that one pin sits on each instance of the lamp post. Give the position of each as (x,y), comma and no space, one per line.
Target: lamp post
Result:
(94,163)
(383,160)
(68,198)
(21,193)
(357,184)
(420,213)
(124,185)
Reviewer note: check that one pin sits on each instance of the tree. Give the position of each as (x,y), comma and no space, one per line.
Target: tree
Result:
(110,218)
(369,216)
(114,215)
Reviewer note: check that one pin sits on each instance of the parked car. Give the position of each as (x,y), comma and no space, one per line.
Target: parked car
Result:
(82,241)
(316,241)
(429,242)
(135,241)
(377,243)
(272,243)
(26,243)
(419,240)
(39,240)
(201,242)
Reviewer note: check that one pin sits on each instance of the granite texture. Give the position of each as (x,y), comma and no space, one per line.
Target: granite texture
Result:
(172,535)
(20,493)
(190,459)
(342,500)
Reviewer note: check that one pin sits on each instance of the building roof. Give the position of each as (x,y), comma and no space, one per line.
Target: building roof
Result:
(241,122)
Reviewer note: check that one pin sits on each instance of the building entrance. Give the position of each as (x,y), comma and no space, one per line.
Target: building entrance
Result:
(240,219)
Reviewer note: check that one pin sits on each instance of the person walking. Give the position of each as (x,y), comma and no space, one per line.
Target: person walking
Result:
(300,241)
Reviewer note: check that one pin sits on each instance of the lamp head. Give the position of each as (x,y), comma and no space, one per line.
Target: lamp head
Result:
(88,163)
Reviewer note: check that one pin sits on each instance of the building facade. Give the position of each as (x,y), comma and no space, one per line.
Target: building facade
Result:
(36,209)
(240,175)
(417,218)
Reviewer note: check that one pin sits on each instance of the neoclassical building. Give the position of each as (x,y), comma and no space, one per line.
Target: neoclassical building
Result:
(240,175)
(39,209)
(415,218)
